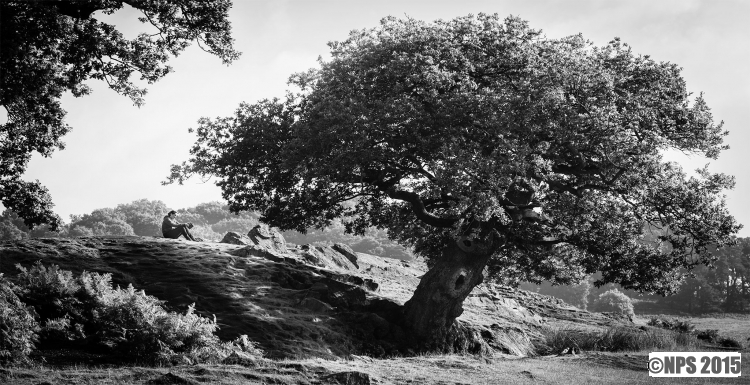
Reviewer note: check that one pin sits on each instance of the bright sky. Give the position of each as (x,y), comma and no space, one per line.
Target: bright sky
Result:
(117,153)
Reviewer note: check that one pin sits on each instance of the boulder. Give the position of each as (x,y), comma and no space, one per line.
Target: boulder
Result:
(267,238)
(338,293)
(325,256)
(347,252)
(236,239)
(259,251)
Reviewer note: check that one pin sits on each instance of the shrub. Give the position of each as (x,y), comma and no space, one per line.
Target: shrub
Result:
(710,335)
(614,301)
(53,295)
(18,329)
(87,311)
(672,324)
(729,342)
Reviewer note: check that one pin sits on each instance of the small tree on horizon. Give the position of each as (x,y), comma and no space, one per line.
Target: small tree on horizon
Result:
(614,301)
(483,145)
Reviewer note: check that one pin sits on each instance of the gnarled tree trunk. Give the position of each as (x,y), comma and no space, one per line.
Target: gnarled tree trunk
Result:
(438,300)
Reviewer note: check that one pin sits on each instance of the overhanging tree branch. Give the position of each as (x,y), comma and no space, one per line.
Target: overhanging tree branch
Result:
(419,209)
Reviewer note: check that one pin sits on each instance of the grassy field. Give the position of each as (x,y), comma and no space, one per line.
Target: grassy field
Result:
(733,325)
(587,368)
(736,326)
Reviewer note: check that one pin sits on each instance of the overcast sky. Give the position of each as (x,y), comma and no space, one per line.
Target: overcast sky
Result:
(117,153)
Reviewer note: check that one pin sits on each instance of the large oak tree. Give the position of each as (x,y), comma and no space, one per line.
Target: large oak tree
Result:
(51,47)
(489,149)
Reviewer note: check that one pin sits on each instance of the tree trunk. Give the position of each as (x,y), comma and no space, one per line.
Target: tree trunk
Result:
(438,299)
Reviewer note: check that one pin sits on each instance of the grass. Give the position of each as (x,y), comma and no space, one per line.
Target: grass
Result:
(616,339)
(736,326)
(587,368)
(730,325)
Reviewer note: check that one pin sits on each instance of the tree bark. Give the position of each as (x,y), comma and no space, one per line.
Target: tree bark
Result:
(438,300)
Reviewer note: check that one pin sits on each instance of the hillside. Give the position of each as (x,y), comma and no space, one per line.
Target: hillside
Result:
(305,302)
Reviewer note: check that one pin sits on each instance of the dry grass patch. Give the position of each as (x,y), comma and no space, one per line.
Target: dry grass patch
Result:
(615,339)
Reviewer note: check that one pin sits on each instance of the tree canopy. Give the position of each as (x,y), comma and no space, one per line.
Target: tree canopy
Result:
(482,129)
(48,48)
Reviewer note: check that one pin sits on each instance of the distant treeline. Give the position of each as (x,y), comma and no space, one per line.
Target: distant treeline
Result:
(726,288)
(212,221)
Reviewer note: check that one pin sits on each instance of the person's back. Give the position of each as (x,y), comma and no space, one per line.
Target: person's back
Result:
(168,223)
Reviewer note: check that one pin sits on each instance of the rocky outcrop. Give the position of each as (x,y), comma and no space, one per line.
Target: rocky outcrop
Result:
(312,301)
(347,252)
(233,238)
(262,252)
(267,238)
(326,256)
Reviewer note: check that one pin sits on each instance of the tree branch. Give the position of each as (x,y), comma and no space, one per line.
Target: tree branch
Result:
(419,209)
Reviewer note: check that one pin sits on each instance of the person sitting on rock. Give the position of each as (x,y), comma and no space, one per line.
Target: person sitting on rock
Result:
(170,228)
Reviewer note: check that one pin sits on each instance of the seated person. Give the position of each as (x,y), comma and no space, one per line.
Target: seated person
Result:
(170,228)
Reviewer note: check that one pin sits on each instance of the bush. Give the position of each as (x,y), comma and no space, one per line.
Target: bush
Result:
(88,312)
(53,293)
(18,329)
(672,324)
(710,335)
(729,342)
(614,301)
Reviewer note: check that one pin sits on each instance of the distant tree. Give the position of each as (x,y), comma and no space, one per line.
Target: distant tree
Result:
(100,222)
(80,231)
(731,277)
(695,295)
(144,216)
(13,227)
(51,47)
(237,224)
(206,233)
(9,231)
(212,212)
(614,301)
(482,144)
(725,287)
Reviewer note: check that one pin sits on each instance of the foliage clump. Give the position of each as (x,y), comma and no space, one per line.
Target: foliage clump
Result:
(729,342)
(708,335)
(86,312)
(18,329)
(614,301)
(675,324)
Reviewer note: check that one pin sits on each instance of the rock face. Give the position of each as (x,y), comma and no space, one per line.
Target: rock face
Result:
(267,238)
(347,252)
(233,238)
(326,256)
